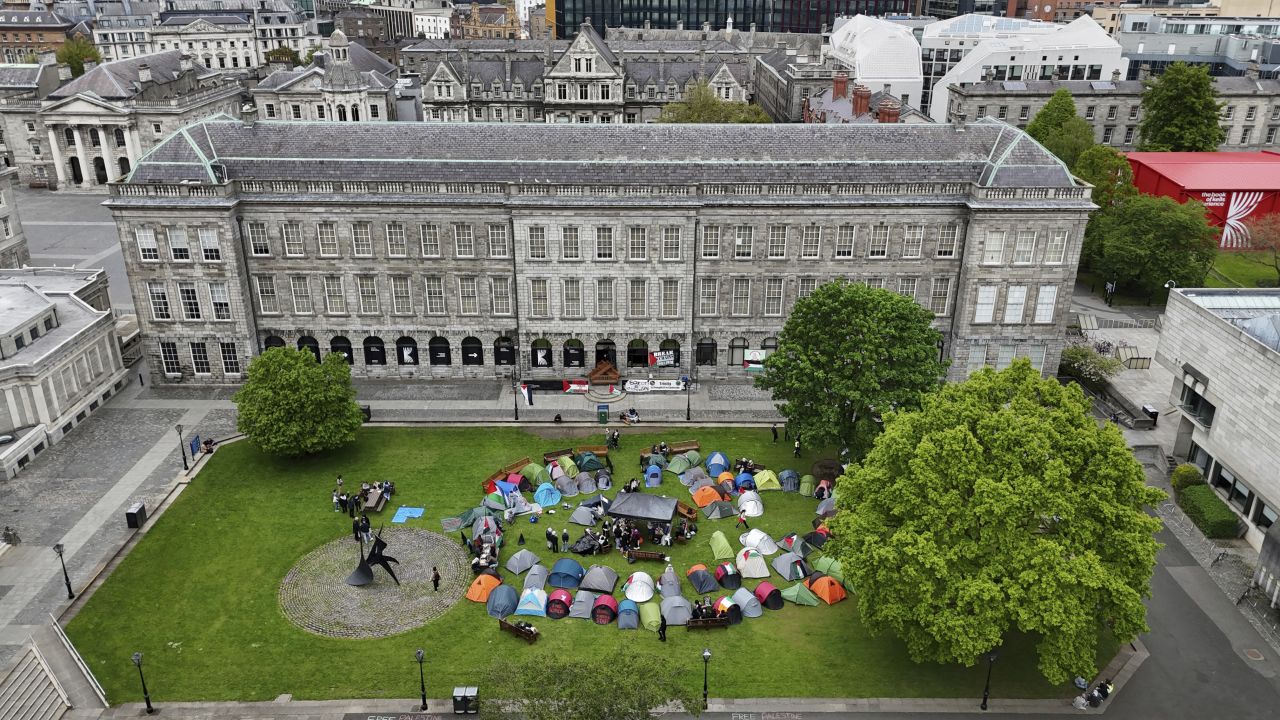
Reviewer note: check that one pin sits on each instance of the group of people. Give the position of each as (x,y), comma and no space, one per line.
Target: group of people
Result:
(704,609)
(612,439)
(353,503)
(1093,698)
(630,417)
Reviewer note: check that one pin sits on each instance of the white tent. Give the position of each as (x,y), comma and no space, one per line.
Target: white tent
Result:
(746,600)
(759,540)
(638,587)
(749,504)
(751,564)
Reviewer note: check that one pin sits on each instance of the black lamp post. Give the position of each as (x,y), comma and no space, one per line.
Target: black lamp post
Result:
(706,663)
(181,449)
(137,660)
(65,577)
(422,681)
(986,691)
(688,402)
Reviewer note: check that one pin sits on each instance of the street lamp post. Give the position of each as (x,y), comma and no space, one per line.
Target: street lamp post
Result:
(181,450)
(65,577)
(688,406)
(986,691)
(706,663)
(515,395)
(137,660)
(422,681)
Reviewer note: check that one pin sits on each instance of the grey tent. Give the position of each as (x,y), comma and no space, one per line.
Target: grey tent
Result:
(749,603)
(693,474)
(600,578)
(628,615)
(642,506)
(582,604)
(586,482)
(719,510)
(454,524)
(522,561)
(790,480)
(495,504)
(567,486)
(537,577)
(604,480)
(502,601)
(669,583)
(583,516)
(703,581)
(790,566)
(676,610)
(597,500)
(827,507)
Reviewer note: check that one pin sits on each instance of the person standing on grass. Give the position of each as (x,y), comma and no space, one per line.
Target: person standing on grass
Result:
(435,579)
(796,452)
(365,528)
(564,539)
(742,521)
(662,628)
(774,429)
(335,501)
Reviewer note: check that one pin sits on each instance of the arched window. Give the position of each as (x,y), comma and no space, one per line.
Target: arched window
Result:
(438,351)
(672,346)
(273,341)
(70,136)
(540,353)
(504,351)
(574,354)
(342,113)
(120,141)
(737,351)
(706,353)
(769,343)
(375,352)
(637,353)
(472,351)
(406,351)
(355,113)
(306,342)
(606,351)
(342,346)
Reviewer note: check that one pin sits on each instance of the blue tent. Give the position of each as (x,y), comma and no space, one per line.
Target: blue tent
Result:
(532,602)
(546,495)
(790,480)
(566,573)
(506,488)
(653,476)
(745,481)
(628,615)
(717,463)
(502,601)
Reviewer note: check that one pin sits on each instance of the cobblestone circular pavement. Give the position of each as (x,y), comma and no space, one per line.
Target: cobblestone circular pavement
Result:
(315,596)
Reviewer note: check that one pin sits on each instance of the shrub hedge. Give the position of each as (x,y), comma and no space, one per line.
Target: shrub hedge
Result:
(1184,476)
(1208,512)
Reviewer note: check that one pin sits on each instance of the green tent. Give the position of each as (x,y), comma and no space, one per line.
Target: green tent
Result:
(807,485)
(679,464)
(720,546)
(830,566)
(650,615)
(536,474)
(588,462)
(767,480)
(800,595)
(567,464)
(692,456)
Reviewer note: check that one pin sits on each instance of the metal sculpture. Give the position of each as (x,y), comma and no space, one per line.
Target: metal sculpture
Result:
(363,574)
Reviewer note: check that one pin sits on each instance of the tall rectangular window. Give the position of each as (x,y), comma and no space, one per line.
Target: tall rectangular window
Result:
(605,305)
(637,243)
(435,296)
(267,294)
(169,358)
(773,296)
(498,245)
(429,239)
(811,242)
(744,235)
(468,296)
(711,242)
(913,241)
(200,358)
(221,301)
(741,296)
(335,299)
(844,241)
(500,295)
(874,282)
(537,243)
(327,234)
(879,246)
(1025,247)
(401,299)
(361,240)
(301,291)
(258,243)
(708,296)
(907,287)
(604,243)
(464,241)
(190,300)
(209,247)
(636,305)
(147,248)
(367,287)
(1035,353)
(230,358)
(396,244)
(940,296)
(670,298)
(1004,356)
(179,248)
(570,248)
(977,358)
(1015,303)
(947,235)
(159,298)
(993,250)
(1046,302)
(572,297)
(806,286)
(292,234)
(1055,251)
(539,302)
(777,241)
(671,243)
(984,309)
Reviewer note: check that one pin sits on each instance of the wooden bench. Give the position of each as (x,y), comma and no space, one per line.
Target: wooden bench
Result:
(528,636)
(707,623)
(597,450)
(686,446)
(637,555)
(685,511)
(506,470)
(556,454)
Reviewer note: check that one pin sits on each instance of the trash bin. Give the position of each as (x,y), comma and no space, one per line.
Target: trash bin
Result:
(1152,413)
(465,700)
(367,412)
(136,515)
(602,414)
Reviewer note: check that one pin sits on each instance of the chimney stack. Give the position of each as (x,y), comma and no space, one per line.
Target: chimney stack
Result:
(839,85)
(1144,71)
(64,72)
(184,63)
(1115,75)
(89,65)
(957,121)
(889,111)
(248,114)
(144,72)
(861,100)
(1253,71)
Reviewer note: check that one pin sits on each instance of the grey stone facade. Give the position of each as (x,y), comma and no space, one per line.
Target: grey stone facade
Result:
(13,242)
(715,249)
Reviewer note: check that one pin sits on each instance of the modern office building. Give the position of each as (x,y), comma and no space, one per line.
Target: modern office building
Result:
(1227,46)
(804,16)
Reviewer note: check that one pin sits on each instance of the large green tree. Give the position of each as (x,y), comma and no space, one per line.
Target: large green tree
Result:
(1060,130)
(847,353)
(76,52)
(1147,241)
(292,405)
(1264,241)
(1180,111)
(1110,174)
(1001,506)
(702,105)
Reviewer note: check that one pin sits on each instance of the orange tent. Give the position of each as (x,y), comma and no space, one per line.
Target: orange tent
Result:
(827,589)
(704,496)
(696,568)
(480,589)
(725,476)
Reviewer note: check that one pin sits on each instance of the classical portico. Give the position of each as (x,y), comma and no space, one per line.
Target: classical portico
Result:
(92,142)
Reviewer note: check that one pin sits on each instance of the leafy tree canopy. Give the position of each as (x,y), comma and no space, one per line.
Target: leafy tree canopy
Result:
(1180,111)
(1109,172)
(1088,365)
(847,353)
(1264,239)
(1001,506)
(1146,241)
(76,52)
(292,405)
(701,105)
(1060,108)
(1070,140)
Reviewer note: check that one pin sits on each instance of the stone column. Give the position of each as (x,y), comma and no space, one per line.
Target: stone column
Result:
(59,162)
(133,145)
(86,170)
(108,135)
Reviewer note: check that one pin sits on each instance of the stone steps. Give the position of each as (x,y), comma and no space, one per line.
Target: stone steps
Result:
(29,692)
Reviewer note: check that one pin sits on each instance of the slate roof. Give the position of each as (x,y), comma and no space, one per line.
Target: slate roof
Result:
(1234,85)
(118,80)
(989,152)
(33,19)
(13,76)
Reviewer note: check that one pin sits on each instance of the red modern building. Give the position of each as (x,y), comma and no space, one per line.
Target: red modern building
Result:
(1233,186)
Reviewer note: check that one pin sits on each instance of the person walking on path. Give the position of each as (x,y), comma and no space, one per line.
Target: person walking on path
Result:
(662,628)
(365,528)
(742,521)
(797,448)
(435,579)
(774,429)
(355,529)
(564,540)
(335,502)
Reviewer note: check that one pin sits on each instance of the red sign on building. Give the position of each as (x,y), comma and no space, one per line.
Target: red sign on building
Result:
(1234,187)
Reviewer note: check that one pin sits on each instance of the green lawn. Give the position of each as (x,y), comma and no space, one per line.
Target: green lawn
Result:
(198,595)
(1239,269)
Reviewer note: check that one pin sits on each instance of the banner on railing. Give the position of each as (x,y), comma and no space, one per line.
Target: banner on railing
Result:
(643,386)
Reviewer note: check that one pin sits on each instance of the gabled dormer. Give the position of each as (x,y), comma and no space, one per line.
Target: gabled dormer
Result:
(588,57)
(443,85)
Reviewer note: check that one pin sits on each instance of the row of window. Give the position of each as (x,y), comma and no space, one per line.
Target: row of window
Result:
(202,362)
(980,356)
(1237,493)
(997,250)
(20,338)
(340,112)
(1015,304)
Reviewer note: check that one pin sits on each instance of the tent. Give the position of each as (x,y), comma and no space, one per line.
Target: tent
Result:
(546,495)
(692,456)
(604,480)
(653,458)
(502,601)
(535,474)
(597,500)
(653,476)
(720,546)
(751,564)
(567,464)
(588,462)
(640,506)
(604,610)
(496,501)
(800,595)
(638,587)
(566,573)
(700,579)
(669,583)
(789,480)
(750,505)
(583,516)
(790,566)
(567,486)
(726,478)
(694,473)
(728,608)
(807,484)
(555,471)
(826,508)
(796,544)
(728,577)
(744,481)
(760,540)
(719,510)
(749,603)
(679,464)
(586,482)
(816,539)
(508,486)
(481,587)
(768,595)
(717,463)
(582,604)
(521,561)
(454,524)
(830,566)
(677,610)
(704,496)
(650,616)
(585,545)
(558,604)
(700,482)
(827,589)
(533,601)
(600,578)
(517,504)
(766,480)
(628,615)
(537,576)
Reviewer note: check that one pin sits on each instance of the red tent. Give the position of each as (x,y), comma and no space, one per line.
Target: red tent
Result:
(769,596)
(559,603)
(1234,186)
(604,610)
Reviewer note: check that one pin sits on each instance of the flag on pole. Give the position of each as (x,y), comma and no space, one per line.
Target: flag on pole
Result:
(527,392)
